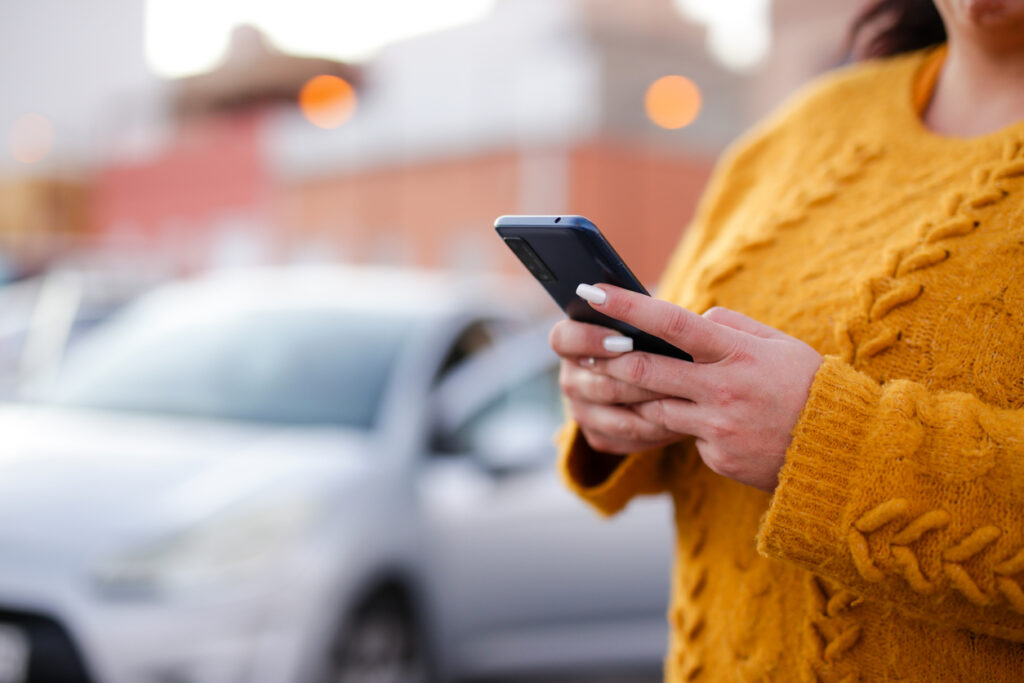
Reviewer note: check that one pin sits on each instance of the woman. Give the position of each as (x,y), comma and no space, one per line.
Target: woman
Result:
(845,456)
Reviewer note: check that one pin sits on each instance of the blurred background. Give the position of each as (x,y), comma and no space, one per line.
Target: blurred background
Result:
(278,402)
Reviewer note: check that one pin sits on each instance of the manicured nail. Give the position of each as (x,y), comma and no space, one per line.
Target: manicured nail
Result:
(591,294)
(617,344)
(588,362)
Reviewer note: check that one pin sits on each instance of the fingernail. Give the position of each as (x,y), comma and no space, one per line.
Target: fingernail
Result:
(591,294)
(617,344)
(588,362)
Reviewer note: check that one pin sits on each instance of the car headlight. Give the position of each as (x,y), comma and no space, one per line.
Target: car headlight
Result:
(236,545)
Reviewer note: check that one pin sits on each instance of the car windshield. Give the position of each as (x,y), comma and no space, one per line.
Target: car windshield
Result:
(304,367)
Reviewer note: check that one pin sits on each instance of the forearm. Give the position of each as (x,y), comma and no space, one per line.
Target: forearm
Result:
(907,496)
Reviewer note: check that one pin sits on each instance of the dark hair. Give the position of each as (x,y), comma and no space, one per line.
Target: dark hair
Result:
(895,26)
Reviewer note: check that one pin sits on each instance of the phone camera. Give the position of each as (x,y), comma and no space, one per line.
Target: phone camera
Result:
(530,259)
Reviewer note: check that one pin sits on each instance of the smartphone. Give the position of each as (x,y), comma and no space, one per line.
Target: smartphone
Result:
(563,251)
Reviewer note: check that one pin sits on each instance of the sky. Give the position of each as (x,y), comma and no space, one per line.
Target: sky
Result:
(739,33)
(189,36)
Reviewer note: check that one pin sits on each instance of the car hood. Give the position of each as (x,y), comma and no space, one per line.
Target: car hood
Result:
(77,482)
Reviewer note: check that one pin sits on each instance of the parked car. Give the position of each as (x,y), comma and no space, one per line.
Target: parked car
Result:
(312,475)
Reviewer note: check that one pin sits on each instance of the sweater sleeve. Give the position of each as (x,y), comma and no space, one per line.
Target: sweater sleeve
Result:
(906,495)
(636,474)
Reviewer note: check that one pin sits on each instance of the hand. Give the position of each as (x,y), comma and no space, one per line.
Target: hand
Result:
(599,403)
(740,398)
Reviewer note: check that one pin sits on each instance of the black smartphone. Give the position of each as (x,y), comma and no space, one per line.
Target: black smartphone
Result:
(562,252)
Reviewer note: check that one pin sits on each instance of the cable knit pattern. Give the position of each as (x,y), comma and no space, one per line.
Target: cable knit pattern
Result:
(831,631)
(899,548)
(888,291)
(847,166)
(893,547)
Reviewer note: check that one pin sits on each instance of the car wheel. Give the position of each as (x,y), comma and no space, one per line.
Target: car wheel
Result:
(380,644)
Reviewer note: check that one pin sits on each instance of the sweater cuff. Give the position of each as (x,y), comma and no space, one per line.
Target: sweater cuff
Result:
(803,524)
(610,495)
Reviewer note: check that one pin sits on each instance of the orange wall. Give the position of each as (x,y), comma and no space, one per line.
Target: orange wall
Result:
(211,167)
(418,207)
(436,213)
(641,199)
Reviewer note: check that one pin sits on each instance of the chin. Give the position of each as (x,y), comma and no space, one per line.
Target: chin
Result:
(995,13)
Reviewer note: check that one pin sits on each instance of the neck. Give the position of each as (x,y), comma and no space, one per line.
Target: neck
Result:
(979,91)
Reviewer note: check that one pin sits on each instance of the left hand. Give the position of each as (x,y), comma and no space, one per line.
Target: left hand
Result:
(740,398)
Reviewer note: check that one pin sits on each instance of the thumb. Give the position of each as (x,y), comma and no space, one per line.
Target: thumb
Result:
(738,321)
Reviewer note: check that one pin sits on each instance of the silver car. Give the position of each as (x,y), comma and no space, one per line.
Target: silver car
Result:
(307,475)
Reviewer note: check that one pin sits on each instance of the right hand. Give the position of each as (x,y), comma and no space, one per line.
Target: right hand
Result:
(601,405)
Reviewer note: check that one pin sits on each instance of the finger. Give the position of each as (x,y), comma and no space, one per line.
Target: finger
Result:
(738,321)
(570,339)
(703,339)
(658,374)
(578,383)
(619,424)
(606,444)
(676,415)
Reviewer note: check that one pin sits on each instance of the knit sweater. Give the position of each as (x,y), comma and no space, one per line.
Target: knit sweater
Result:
(893,547)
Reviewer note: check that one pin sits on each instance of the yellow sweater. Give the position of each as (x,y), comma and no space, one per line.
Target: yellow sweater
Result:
(893,547)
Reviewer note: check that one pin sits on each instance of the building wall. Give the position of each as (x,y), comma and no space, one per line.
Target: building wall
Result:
(202,200)
(448,134)
(441,214)
(536,109)
(642,200)
(414,215)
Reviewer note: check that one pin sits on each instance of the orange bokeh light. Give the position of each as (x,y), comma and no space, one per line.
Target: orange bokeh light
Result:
(327,101)
(31,138)
(673,102)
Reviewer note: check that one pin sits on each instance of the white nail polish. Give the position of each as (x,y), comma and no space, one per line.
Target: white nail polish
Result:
(588,362)
(617,344)
(591,294)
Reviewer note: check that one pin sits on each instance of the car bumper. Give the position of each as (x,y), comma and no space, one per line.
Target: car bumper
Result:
(259,637)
